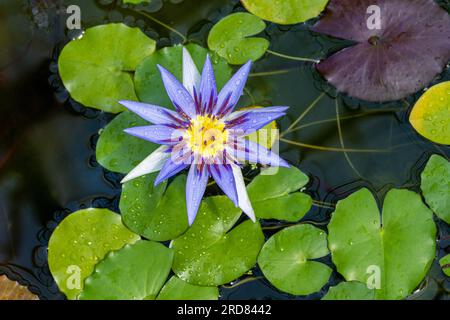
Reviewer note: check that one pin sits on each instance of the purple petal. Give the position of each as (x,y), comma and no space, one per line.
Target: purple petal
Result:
(245,150)
(208,90)
(180,97)
(159,134)
(170,169)
(244,201)
(191,76)
(232,91)
(223,174)
(152,113)
(251,120)
(390,63)
(195,188)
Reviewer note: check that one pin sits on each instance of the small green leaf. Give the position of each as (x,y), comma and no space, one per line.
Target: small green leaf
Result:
(177,289)
(147,79)
(273,194)
(431,114)
(435,186)
(286,258)
(121,152)
(207,254)
(445,264)
(97,69)
(394,256)
(136,272)
(230,38)
(156,213)
(81,240)
(285,11)
(352,290)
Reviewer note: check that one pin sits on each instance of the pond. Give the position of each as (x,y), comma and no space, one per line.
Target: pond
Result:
(48,162)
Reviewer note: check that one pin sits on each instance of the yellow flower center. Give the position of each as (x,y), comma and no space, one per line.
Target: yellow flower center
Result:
(206,136)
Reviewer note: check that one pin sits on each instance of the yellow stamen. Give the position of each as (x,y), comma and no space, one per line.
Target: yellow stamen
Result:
(206,136)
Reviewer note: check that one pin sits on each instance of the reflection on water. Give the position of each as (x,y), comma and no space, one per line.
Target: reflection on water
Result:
(47,141)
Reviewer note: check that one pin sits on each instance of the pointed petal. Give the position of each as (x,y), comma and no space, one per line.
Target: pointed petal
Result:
(152,113)
(170,169)
(180,97)
(195,188)
(232,91)
(243,199)
(253,120)
(159,134)
(191,76)
(245,150)
(152,163)
(223,174)
(208,89)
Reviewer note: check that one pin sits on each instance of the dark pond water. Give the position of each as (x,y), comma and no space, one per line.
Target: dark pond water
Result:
(47,141)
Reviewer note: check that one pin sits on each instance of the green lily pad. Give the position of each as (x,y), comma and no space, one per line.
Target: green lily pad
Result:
(136,272)
(393,257)
(81,240)
(230,38)
(445,264)
(285,11)
(121,152)
(431,114)
(352,290)
(96,69)
(156,213)
(177,289)
(208,254)
(286,260)
(435,186)
(273,194)
(147,79)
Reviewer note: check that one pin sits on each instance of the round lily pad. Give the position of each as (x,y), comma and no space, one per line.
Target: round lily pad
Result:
(285,11)
(96,69)
(274,194)
(208,254)
(156,213)
(392,257)
(177,289)
(230,38)
(79,242)
(394,55)
(136,272)
(147,79)
(435,186)
(431,114)
(286,260)
(444,262)
(121,152)
(352,290)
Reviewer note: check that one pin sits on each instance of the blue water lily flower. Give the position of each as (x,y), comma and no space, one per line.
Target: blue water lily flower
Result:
(203,133)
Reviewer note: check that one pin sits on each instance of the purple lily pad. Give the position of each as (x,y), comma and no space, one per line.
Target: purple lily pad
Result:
(406,53)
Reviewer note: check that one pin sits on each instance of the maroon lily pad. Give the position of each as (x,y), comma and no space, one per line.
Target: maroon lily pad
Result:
(406,53)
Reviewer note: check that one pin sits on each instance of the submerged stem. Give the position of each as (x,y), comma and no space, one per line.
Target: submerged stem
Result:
(285,56)
(145,14)
(332,149)
(304,113)
(270,73)
(359,115)
(341,140)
